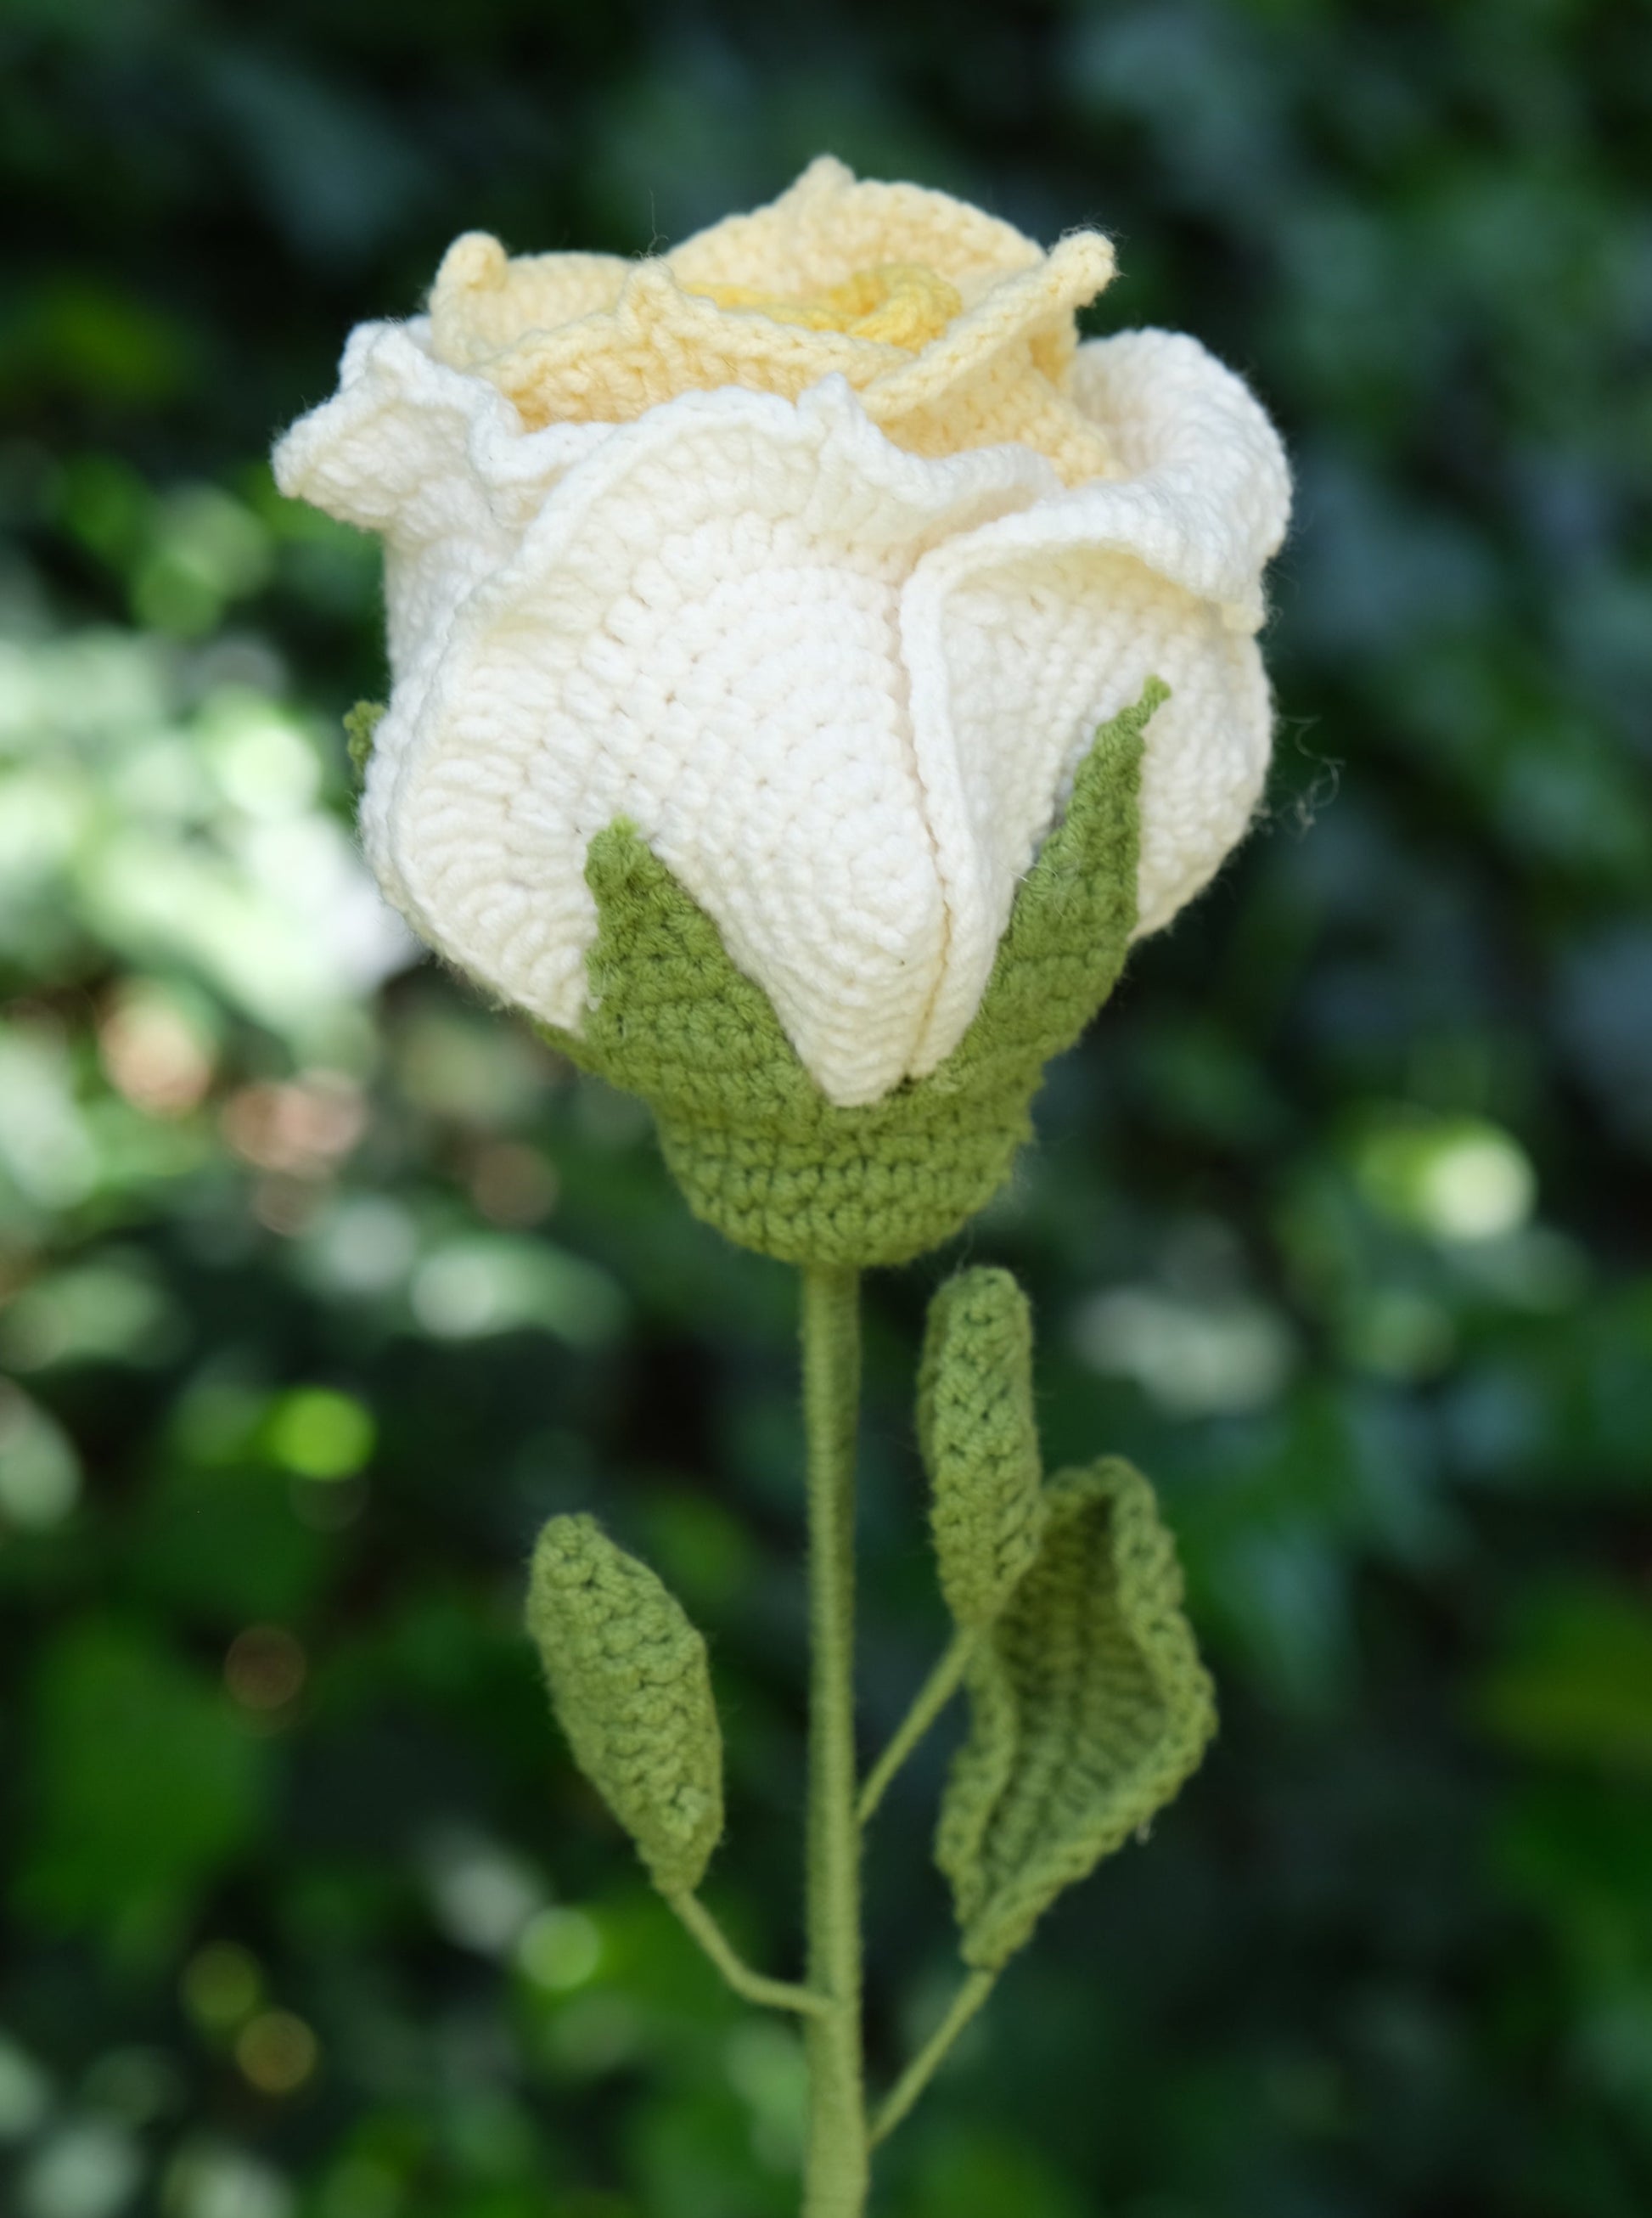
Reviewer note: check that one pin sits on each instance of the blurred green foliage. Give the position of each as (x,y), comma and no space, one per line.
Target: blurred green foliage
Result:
(325,1287)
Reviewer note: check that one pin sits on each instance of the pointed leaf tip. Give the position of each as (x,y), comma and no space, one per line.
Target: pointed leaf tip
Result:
(1070,925)
(361,729)
(631,1688)
(978,1432)
(1089,1709)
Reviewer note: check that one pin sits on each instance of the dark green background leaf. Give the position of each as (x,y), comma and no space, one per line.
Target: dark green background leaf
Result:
(149,1787)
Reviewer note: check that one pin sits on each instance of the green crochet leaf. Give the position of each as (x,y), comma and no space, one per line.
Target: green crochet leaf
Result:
(756,1146)
(979,1435)
(1089,1707)
(361,728)
(631,1689)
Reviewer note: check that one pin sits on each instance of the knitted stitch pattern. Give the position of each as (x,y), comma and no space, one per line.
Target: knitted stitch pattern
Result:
(816,550)
(756,1146)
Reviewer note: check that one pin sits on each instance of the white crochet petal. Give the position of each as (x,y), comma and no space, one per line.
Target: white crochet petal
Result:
(1200,447)
(1023,637)
(700,634)
(417,451)
(440,464)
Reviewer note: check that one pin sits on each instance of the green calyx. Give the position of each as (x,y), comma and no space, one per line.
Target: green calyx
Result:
(756,1146)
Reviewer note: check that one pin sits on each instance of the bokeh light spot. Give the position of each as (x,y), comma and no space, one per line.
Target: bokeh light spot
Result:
(1478,1186)
(265,1668)
(221,1985)
(91,2169)
(483,1895)
(1194,1358)
(560,1949)
(40,1472)
(318,1433)
(512,1185)
(1457,1178)
(25,2092)
(300,1128)
(276,2051)
(152,1054)
(208,2179)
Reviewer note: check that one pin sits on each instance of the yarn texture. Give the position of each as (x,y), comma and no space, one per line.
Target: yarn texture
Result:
(1089,1708)
(812,668)
(756,1146)
(631,1688)
(816,551)
(979,1435)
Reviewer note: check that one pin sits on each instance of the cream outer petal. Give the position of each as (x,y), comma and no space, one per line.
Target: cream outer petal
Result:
(1021,637)
(841,689)
(698,631)
(438,463)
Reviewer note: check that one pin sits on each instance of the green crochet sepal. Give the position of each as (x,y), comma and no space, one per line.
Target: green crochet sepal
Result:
(631,1688)
(1089,1707)
(361,729)
(756,1146)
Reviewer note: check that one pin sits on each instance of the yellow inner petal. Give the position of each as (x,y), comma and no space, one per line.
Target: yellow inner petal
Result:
(905,304)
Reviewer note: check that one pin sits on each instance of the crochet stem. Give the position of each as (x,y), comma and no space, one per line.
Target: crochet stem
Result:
(918,2073)
(752,1986)
(836,2173)
(930,1701)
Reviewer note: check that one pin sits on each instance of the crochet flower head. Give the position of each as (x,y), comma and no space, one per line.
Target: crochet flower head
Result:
(754,610)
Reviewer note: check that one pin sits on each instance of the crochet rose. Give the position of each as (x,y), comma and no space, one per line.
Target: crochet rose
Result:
(817,550)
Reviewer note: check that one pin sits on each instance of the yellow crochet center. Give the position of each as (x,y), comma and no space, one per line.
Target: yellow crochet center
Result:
(954,332)
(905,304)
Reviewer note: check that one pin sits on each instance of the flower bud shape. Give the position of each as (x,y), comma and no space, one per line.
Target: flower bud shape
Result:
(815,551)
